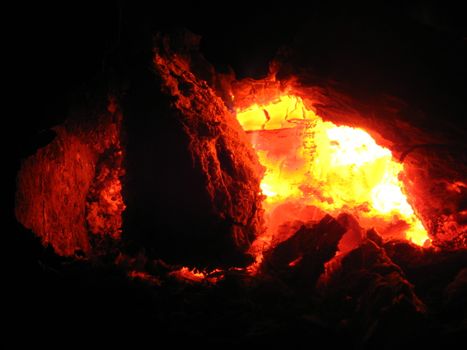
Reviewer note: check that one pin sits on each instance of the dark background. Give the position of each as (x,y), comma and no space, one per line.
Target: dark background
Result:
(62,50)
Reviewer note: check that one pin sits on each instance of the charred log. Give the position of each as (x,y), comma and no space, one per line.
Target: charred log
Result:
(430,270)
(371,298)
(301,258)
(193,178)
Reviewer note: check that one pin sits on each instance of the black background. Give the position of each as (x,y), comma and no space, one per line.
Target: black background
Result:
(61,48)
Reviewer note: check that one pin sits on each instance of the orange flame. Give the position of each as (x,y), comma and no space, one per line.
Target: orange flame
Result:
(315,164)
(194,275)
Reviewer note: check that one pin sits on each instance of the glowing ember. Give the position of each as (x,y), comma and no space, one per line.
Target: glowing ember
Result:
(144,276)
(194,275)
(186,274)
(313,166)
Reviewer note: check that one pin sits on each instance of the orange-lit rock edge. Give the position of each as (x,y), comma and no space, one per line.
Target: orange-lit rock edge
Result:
(219,149)
(69,192)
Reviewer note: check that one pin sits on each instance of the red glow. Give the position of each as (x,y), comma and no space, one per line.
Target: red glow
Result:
(145,277)
(194,275)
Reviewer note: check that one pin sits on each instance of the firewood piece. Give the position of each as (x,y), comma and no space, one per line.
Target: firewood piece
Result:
(193,177)
(430,270)
(374,297)
(374,236)
(302,256)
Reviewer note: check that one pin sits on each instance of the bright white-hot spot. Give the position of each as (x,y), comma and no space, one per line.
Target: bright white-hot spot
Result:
(314,163)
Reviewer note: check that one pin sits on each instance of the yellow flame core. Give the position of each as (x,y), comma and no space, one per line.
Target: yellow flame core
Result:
(334,168)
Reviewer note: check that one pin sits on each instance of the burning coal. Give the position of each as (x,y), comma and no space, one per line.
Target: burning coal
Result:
(314,167)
